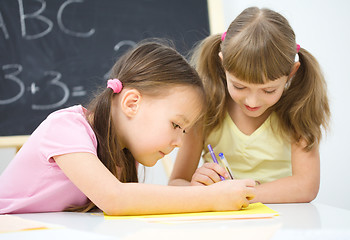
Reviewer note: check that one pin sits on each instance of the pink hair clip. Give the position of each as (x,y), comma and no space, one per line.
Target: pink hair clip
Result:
(223,36)
(115,84)
(298,48)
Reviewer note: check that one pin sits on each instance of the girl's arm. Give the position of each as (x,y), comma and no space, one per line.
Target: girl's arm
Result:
(302,186)
(186,171)
(187,159)
(88,173)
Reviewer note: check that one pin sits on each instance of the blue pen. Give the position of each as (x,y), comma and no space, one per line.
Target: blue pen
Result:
(224,161)
(214,159)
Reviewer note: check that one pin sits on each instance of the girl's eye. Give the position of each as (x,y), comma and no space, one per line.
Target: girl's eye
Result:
(178,126)
(269,92)
(238,88)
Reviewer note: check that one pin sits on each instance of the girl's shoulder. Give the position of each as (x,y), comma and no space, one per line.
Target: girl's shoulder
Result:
(76,110)
(66,130)
(75,115)
(73,118)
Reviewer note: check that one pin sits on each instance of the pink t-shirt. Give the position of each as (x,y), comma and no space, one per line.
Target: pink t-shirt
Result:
(33,182)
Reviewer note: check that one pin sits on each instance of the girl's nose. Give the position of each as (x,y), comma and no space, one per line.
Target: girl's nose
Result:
(252,100)
(178,139)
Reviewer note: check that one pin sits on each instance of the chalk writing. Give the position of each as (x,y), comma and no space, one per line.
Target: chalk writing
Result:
(34,15)
(13,77)
(77,91)
(66,30)
(38,15)
(3,27)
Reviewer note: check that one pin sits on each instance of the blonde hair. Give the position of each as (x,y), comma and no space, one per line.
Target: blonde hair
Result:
(153,67)
(259,46)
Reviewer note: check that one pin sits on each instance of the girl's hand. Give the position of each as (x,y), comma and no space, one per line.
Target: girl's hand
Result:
(233,194)
(208,174)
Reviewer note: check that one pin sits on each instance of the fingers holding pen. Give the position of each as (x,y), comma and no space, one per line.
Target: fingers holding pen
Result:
(249,182)
(235,194)
(208,174)
(250,189)
(248,193)
(245,203)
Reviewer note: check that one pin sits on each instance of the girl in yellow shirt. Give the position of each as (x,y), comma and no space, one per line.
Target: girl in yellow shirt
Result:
(265,110)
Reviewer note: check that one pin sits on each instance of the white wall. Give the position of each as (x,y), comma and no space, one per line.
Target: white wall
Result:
(322,27)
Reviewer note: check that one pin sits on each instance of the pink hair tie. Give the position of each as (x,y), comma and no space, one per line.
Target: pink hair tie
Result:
(223,36)
(298,48)
(115,84)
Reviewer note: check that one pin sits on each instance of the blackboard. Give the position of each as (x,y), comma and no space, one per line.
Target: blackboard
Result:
(54,53)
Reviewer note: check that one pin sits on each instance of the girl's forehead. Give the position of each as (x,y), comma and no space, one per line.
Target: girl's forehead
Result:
(267,83)
(189,105)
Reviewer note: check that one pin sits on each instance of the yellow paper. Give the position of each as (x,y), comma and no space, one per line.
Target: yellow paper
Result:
(254,210)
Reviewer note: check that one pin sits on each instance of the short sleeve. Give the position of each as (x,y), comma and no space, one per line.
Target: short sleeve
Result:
(66,132)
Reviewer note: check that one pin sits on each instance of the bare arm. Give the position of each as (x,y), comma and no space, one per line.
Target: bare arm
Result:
(186,171)
(187,158)
(88,173)
(302,186)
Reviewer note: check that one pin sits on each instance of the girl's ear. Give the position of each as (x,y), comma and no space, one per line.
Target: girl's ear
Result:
(130,102)
(221,56)
(295,68)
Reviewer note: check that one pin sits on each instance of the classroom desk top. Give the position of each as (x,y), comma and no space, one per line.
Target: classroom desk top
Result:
(295,221)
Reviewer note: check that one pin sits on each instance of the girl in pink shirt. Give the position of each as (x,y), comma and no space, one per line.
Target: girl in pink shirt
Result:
(79,159)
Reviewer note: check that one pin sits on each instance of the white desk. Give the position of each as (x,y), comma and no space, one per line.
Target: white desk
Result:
(296,221)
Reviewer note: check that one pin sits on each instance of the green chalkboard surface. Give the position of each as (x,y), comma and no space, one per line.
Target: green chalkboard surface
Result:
(54,53)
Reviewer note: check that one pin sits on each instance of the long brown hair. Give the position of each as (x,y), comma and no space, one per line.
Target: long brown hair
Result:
(259,46)
(152,67)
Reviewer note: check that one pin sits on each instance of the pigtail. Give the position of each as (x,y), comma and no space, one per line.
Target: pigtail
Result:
(109,150)
(205,58)
(304,108)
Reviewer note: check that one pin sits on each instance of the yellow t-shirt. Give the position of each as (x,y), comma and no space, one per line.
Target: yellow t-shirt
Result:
(262,156)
